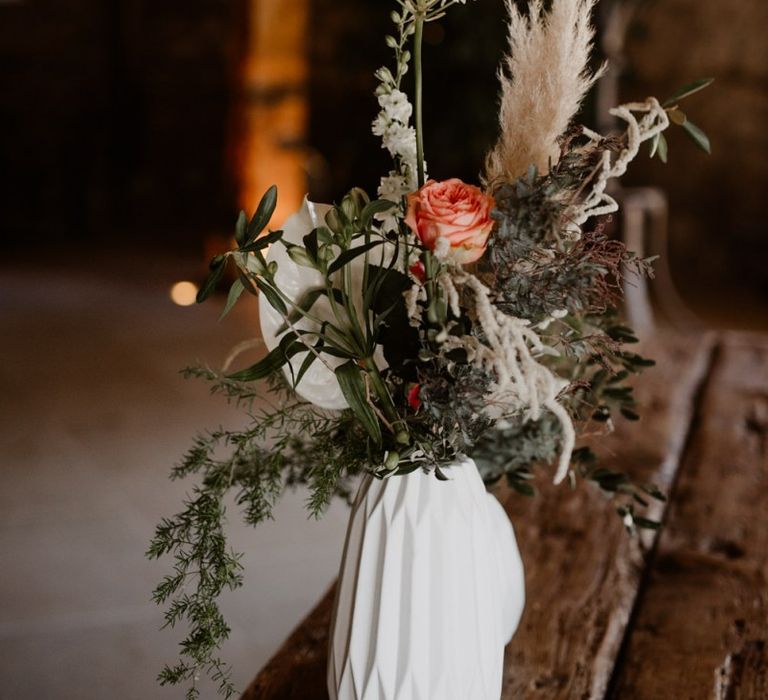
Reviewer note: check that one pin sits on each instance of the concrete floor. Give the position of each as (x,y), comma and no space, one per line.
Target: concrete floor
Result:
(93,413)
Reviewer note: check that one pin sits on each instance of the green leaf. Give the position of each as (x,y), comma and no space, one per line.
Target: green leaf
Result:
(440,475)
(629,414)
(247,286)
(353,387)
(288,347)
(646,524)
(655,492)
(263,213)
(349,255)
(262,242)
(311,244)
(618,377)
(621,334)
(393,330)
(241,228)
(677,116)
(698,136)
(308,360)
(663,148)
(654,145)
(217,267)
(601,414)
(235,291)
(305,304)
(608,480)
(522,487)
(377,206)
(300,256)
(272,296)
(688,90)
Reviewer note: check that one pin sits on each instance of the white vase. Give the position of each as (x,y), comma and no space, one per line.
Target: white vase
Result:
(431,589)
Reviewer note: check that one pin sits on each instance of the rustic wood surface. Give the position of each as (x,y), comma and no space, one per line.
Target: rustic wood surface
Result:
(701,626)
(611,616)
(582,570)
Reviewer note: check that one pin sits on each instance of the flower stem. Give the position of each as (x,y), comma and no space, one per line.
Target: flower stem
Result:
(388,406)
(417,41)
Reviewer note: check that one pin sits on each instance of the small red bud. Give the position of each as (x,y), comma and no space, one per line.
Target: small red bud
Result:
(413,397)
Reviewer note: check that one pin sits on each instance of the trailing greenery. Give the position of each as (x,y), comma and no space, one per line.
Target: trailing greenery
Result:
(506,363)
(286,443)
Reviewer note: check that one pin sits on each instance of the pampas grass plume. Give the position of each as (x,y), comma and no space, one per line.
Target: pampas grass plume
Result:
(544,79)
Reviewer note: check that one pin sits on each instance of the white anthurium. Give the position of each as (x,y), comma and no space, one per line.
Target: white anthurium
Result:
(318,385)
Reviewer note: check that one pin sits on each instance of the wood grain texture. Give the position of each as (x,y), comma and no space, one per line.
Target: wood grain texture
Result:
(701,626)
(297,670)
(582,569)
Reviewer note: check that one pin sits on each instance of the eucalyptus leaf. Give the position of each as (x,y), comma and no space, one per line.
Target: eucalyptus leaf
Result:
(688,90)
(274,360)
(262,242)
(522,487)
(304,304)
(308,361)
(352,386)
(263,213)
(241,228)
(663,148)
(218,265)
(646,524)
(235,291)
(654,145)
(698,136)
(349,255)
(629,414)
(272,296)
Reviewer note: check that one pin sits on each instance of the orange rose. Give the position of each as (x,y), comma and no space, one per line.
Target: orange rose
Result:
(453,210)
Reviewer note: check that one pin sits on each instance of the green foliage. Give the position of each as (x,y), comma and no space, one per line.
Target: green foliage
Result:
(571,285)
(566,285)
(287,444)
(350,378)
(513,449)
(677,116)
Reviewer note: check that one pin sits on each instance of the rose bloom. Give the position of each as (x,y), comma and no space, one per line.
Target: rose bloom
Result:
(453,210)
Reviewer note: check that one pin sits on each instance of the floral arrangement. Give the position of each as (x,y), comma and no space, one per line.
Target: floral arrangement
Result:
(441,319)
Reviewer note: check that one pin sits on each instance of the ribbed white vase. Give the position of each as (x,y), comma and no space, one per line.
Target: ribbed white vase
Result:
(431,589)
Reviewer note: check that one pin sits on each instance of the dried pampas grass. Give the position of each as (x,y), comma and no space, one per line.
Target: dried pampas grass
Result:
(543,81)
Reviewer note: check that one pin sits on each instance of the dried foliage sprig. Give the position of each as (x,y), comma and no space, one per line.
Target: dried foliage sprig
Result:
(507,362)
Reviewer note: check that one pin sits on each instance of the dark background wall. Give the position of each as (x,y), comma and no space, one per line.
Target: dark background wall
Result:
(114,118)
(119,121)
(461,55)
(719,234)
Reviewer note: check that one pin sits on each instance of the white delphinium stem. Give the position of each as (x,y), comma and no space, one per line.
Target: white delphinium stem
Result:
(653,122)
(393,123)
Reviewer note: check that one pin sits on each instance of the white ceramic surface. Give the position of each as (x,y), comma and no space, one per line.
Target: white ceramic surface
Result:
(431,589)
(318,385)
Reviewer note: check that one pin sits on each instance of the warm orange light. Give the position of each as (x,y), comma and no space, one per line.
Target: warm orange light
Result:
(275,106)
(183,293)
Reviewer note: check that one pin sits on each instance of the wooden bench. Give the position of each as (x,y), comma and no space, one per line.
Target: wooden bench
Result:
(680,615)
